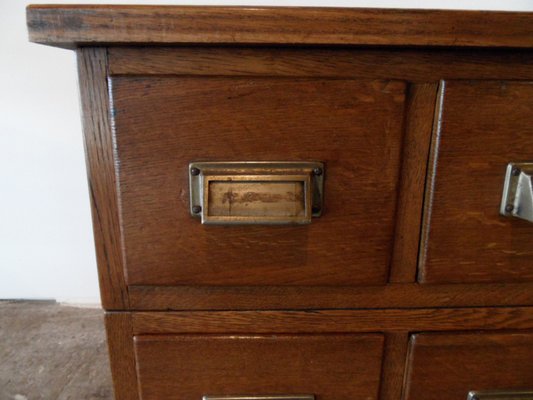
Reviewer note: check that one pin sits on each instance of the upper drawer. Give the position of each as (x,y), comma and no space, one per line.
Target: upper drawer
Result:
(164,123)
(188,367)
(447,366)
(483,127)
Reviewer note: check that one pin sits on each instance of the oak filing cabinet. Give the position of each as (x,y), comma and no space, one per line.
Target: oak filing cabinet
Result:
(297,204)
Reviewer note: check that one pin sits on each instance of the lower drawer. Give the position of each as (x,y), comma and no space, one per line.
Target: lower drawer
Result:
(447,366)
(188,367)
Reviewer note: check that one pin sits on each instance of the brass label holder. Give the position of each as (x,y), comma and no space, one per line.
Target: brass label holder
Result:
(517,196)
(256,192)
(501,395)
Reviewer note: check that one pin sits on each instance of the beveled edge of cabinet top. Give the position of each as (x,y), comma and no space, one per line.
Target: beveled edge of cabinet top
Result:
(71,26)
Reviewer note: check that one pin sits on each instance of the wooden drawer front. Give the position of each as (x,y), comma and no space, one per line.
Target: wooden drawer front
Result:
(331,367)
(484,126)
(447,366)
(164,123)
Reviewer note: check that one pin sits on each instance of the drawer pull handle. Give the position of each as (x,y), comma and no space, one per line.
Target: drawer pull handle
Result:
(230,193)
(273,397)
(517,198)
(500,395)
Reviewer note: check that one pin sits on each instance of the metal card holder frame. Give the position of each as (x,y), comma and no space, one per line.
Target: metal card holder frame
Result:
(517,196)
(500,395)
(256,192)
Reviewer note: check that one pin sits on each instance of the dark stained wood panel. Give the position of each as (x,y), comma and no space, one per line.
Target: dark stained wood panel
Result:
(68,26)
(446,366)
(416,65)
(354,127)
(482,127)
(332,367)
(317,297)
(393,366)
(121,355)
(100,160)
(421,100)
(334,321)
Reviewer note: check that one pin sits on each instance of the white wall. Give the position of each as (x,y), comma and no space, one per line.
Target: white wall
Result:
(46,245)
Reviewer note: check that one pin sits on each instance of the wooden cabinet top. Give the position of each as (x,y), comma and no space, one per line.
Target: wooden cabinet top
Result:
(71,26)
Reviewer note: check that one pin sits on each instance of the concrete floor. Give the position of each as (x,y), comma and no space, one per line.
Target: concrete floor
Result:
(52,352)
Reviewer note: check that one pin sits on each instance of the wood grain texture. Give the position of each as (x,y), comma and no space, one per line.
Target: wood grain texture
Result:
(88,25)
(354,127)
(320,297)
(483,126)
(419,122)
(446,366)
(333,321)
(121,355)
(100,159)
(393,367)
(421,65)
(332,367)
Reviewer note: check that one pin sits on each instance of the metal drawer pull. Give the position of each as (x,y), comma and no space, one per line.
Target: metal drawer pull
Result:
(274,397)
(517,198)
(256,192)
(501,395)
